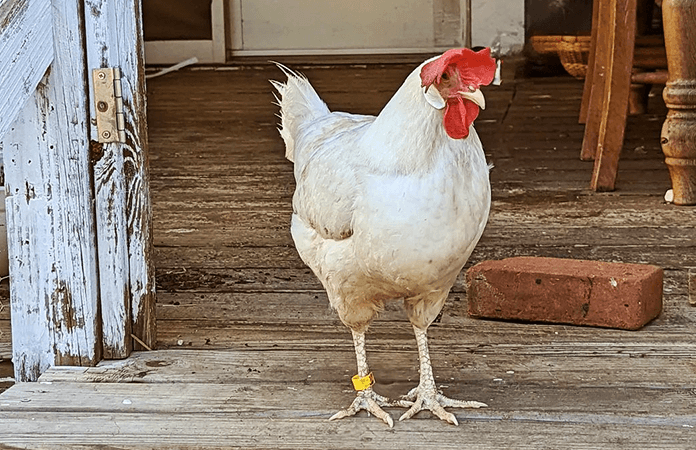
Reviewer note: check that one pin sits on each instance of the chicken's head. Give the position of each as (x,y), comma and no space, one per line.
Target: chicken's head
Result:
(456,76)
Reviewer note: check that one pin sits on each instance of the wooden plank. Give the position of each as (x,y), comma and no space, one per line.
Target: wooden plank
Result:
(573,210)
(284,306)
(172,260)
(524,431)
(51,236)
(135,414)
(102,51)
(252,280)
(463,366)
(319,399)
(203,321)
(122,183)
(26,31)
(556,240)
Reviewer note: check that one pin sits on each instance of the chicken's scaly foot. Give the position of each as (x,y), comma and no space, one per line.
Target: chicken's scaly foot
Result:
(367,399)
(434,401)
(425,395)
(371,402)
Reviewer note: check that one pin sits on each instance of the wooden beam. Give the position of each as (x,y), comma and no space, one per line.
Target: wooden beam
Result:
(124,218)
(50,220)
(25,53)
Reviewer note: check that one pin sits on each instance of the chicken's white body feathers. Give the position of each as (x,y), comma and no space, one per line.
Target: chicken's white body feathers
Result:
(385,207)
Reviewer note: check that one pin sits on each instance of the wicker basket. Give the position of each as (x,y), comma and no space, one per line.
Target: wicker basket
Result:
(545,44)
(574,52)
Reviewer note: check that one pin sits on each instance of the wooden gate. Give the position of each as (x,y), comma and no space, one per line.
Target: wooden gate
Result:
(78,210)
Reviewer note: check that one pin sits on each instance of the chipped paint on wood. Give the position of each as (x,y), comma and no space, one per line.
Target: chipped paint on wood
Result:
(50,220)
(122,183)
(25,53)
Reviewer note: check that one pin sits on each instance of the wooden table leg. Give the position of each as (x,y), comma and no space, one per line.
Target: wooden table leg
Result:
(679,130)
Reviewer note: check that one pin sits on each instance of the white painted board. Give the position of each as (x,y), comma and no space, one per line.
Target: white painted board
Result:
(26,50)
(50,220)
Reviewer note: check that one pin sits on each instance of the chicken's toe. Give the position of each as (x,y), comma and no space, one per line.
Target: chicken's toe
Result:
(436,402)
(368,400)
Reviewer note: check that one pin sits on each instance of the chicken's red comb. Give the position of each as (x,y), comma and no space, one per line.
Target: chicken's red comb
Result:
(473,66)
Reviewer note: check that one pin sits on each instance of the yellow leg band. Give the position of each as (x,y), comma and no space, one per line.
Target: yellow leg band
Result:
(362,383)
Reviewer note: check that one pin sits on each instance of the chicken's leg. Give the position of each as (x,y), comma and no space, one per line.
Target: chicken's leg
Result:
(367,399)
(425,395)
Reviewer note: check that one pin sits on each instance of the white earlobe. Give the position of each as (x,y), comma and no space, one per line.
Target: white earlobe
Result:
(433,97)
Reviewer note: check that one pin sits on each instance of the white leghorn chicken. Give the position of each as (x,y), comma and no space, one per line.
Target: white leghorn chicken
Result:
(391,207)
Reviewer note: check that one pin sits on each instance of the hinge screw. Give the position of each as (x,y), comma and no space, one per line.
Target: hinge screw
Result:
(106,134)
(102,106)
(101,75)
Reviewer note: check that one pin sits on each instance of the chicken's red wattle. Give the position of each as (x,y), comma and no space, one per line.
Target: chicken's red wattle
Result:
(459,115)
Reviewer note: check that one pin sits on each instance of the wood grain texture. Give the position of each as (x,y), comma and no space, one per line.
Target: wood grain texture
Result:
(130,404)
(26,51)
(595,93)
(216,430)
(620,32)
(122,182)
(679,129)
(137,167)
(50,219)
(103,51)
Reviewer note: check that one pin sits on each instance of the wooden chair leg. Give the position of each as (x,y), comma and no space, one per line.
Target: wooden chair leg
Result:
(587,88)
(595,86)
(679,130)
(617,83)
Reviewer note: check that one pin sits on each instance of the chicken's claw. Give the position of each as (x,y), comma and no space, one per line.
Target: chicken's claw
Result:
(371,402)
(436,402)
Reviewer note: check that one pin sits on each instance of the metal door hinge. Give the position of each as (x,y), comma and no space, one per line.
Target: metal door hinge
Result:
(108,105)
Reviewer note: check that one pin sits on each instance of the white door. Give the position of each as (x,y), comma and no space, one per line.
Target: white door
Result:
(261,27)
(78,211)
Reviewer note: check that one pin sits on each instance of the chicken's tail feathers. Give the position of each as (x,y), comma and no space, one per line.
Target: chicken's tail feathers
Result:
(299,103)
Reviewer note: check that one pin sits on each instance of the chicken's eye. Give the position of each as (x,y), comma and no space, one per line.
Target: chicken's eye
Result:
(445,76)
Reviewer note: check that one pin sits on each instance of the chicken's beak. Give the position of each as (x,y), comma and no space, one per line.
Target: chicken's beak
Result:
(475,96)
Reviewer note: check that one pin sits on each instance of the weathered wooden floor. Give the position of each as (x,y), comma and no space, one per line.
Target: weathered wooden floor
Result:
(251,356)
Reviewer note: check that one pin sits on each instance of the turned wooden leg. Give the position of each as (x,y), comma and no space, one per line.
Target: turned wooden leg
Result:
(679,130)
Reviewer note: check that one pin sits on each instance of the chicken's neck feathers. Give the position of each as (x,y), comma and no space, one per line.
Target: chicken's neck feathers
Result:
(408,135)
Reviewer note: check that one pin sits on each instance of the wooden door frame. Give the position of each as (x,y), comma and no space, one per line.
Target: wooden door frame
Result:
(78,212)
(121,183)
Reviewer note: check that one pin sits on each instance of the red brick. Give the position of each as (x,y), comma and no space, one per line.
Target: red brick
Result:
(576,292)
